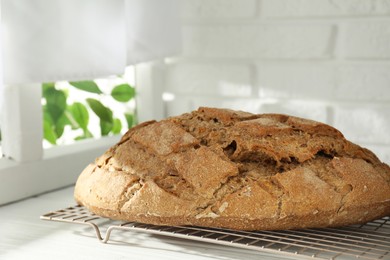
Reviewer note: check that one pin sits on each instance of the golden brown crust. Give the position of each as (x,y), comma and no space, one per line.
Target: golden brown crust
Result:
(232,169)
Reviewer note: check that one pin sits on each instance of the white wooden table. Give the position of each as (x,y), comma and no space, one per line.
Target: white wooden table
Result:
(24,236)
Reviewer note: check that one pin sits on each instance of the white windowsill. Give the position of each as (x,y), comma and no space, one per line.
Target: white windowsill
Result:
(25,236)
(59,167)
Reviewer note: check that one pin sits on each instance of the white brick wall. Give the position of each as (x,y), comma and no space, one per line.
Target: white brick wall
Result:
(218,8)
(368,124)
(324,8)
(258,41)
(327,60)
(367,39)
(296,80)
(365,81)
(211,79)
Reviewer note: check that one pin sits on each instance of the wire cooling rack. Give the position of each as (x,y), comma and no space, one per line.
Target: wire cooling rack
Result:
(368,241)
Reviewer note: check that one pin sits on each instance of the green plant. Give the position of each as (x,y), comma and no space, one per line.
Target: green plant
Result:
(59,112)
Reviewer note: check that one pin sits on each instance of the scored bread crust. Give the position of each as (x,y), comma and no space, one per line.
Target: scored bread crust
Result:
(232,169)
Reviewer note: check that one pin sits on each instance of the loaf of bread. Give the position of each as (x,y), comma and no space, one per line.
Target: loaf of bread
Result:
(232,169)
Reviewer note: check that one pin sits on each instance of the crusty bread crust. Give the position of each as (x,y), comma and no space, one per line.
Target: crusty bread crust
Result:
(232,169)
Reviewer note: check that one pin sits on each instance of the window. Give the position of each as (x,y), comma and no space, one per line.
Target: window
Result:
(74,111)
(48,45)
(58,166)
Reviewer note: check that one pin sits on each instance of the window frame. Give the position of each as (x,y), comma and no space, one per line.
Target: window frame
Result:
(27,169)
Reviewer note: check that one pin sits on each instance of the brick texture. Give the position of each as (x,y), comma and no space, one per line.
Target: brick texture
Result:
(218,8)
(258,41)
(367,124)
(367,39)
(295,80)
(368,82)
(324,8)
(209,79)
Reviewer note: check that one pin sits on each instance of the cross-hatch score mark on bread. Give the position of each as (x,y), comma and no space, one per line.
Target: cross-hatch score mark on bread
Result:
(232,169)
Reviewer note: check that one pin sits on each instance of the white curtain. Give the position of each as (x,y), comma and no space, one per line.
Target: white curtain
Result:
(153,29)
(50,40)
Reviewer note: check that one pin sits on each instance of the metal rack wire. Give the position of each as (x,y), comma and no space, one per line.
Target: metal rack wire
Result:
(368,241)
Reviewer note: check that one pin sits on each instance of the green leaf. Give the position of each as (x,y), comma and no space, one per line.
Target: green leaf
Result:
(46,115)
(46,86)
(60,125)
(104,113)
(87,85)
(87,134)
(66,92)
(129,120)
(57,127)
(80,137)
(55,103)
(123,93)
(72,121)
(105,127)
(117,127)
(48,132)
(80,114)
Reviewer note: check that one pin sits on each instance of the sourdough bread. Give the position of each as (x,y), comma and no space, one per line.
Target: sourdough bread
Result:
(232,169)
